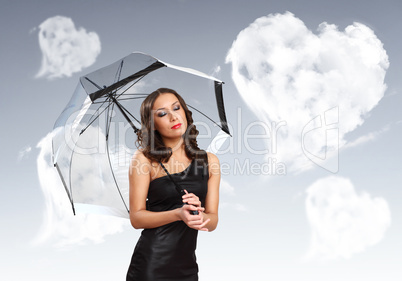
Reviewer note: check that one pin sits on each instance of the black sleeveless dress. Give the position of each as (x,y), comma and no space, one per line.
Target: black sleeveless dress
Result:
(168,252)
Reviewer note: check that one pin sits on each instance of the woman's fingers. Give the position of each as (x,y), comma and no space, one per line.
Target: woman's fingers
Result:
(189,195)
(192,202)
(191,198)
(204,224)
(189,208)
(195,221)
(199,224)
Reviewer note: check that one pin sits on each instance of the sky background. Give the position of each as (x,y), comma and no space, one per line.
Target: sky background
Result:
(313,216)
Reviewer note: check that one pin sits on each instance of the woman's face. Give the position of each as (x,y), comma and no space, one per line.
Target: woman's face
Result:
(169,116)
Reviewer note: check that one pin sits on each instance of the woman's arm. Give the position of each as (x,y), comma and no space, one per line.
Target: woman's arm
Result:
(212,199)
(139,178)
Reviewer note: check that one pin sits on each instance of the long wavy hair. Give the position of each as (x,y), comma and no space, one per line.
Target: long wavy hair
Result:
(150,141)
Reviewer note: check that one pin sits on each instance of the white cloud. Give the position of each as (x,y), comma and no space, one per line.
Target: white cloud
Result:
(226,187)
(236,206)
(322,85)
(342,221)
(240,207)
(24,152)
(216,70)
(366,138)
(60,226)
(65,49)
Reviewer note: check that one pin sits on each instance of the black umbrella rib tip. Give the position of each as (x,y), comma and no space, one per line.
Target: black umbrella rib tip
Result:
(93,83)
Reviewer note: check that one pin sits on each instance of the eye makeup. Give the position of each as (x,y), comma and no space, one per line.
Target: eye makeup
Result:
(161,112)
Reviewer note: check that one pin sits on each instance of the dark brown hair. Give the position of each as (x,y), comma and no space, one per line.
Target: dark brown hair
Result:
(150,141)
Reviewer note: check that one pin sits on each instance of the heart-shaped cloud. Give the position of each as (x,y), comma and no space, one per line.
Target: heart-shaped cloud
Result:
(342,221)
(317,87)
(65,50)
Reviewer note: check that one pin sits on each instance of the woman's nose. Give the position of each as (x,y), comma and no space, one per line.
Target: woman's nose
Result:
(173,116)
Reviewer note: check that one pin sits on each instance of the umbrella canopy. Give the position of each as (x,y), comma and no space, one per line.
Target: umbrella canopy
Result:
(94,137)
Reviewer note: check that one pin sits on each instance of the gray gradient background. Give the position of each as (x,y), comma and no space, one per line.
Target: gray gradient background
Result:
(263,242)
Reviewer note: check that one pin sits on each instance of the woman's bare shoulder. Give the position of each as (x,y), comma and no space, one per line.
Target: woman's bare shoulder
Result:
(213,165)
(140,158)
(212,158)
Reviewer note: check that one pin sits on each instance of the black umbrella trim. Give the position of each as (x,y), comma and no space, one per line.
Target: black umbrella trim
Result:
(221,107)
(113,87)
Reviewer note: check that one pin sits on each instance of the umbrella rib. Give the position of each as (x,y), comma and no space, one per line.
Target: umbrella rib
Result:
(138,94)
(108,121)
(122,107)
(137,98)
(108,156)
(114,178)
(118,74)
(70,197)
(90,123)
(93,83)
(135,82)
(204,115)
(70,175)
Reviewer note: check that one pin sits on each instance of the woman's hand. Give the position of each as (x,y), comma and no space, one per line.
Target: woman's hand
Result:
(193,221)
(191,199)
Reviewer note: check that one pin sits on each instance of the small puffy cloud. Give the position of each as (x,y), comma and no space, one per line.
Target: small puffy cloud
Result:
(310,89)
(60,227)
(216,70)
(343,222)
(24,152)
(65,49)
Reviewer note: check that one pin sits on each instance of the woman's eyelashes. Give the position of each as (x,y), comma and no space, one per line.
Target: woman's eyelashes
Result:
(163,113)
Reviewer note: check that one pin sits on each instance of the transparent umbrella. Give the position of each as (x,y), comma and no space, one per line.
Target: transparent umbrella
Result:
(94,137)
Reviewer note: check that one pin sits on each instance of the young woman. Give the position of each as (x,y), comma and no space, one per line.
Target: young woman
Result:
(166,248)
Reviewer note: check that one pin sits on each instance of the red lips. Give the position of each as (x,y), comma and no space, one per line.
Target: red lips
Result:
(176,126)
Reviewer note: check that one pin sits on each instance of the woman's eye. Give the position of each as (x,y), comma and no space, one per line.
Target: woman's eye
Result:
(161,113)
(176,107)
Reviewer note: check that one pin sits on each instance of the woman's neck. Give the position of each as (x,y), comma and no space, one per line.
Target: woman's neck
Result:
(175,144)
(179,154)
